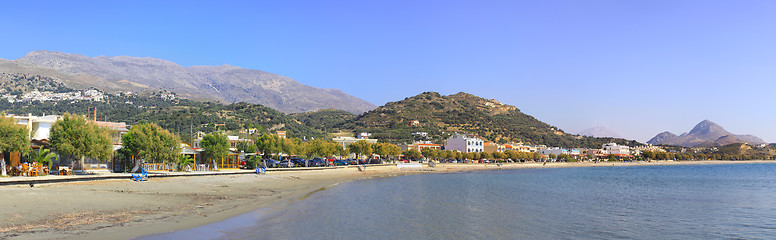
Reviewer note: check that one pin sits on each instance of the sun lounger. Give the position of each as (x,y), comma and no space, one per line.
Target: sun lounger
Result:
(139,177)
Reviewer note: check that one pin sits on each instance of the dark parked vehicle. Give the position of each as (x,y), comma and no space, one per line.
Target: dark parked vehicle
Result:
(286,163)
(317,162)
(270,163)
(299,162)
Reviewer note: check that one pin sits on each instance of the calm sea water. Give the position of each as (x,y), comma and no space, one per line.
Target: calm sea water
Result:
(736,201)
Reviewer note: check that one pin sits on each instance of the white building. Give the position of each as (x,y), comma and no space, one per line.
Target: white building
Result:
(465,143)
(364,135)
(554,150)
(613,148)
(39,127)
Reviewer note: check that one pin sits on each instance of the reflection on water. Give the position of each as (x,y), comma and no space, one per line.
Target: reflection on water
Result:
(655,202)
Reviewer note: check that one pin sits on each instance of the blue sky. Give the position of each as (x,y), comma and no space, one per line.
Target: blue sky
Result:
(636,67)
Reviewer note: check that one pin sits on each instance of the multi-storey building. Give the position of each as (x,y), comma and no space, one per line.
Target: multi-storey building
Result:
(465,143)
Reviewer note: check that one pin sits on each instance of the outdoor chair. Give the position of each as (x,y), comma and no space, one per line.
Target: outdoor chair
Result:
(34,170)
(25,171)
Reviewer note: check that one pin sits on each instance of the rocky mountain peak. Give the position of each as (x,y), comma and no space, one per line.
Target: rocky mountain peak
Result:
(704,134)
(708,129)
(220,83)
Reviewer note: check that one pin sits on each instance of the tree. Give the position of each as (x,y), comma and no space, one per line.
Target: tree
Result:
(216,146)
(268,144)
(412,154)
(392,150)
(499,155)
(485,155)
(552,156)
(150,142)
(379,149)
(536,156)
(512,155)
(429,153)
(292,146)
(319,148)
(76,138)
(443,154)
(340,151)
(43,156)
(246,147)
(385,149)
(13,138)
(360,147)
(184,161)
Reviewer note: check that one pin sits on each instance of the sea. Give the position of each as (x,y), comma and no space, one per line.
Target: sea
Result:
(728,201)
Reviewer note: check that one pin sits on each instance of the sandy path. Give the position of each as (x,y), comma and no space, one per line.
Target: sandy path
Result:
(121,209)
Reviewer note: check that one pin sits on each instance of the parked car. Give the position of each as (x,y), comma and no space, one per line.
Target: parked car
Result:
(243,165)
(340,162)
(317,162)
(299,162)
(285,163)
(270,163)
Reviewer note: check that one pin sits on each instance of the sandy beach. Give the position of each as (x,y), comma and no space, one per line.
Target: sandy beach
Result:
(122,209)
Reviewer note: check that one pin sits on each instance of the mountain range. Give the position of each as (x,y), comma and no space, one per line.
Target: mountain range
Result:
(704,134)
(227,84)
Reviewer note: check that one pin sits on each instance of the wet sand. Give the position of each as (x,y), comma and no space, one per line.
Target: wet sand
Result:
(122,209)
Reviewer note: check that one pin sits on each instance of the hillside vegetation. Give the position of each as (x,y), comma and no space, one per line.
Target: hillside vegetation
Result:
(440,116)
(19,83)
(327,120)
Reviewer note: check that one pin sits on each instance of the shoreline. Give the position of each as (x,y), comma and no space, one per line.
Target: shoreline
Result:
(123,209)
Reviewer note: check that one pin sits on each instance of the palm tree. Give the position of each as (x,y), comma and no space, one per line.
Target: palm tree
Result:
(184,161)
(43,156)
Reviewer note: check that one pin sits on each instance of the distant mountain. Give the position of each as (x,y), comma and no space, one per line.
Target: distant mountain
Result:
(434,117)
(599,131)
(220,83)
(704,134)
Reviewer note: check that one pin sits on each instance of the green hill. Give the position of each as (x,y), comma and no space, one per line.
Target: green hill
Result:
(327,120)
(440,116)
